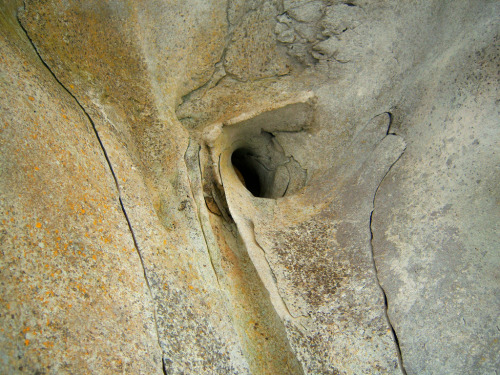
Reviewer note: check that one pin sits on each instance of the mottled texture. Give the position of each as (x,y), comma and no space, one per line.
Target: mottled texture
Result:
(130,243)
(141,144)
(73,293)
(253,52)
(436,219)
(318,266)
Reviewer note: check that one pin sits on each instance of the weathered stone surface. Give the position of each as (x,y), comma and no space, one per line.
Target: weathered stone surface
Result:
(73,294)
(253,52)
(142,145)
(436,215)
(316,263)
(181,43)
(352,255)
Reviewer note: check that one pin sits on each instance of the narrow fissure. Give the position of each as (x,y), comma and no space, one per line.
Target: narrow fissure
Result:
(164,368)
(386,304)
(389,132)
(110,168)
(191,158)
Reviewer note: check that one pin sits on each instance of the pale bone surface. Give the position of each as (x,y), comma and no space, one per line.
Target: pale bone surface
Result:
(249,187)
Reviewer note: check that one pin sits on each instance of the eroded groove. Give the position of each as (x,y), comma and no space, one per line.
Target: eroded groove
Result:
(108,162)
(386,304)
(192,162)
(261,331)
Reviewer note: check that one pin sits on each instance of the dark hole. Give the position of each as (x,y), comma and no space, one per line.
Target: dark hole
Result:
(246,165)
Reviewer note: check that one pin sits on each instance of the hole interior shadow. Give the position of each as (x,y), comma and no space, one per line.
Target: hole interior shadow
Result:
(245,162)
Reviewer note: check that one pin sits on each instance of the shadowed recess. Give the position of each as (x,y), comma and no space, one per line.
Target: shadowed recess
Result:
(249,170)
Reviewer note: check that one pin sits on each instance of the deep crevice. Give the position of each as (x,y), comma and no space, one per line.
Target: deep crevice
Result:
(386,304)
(108,162)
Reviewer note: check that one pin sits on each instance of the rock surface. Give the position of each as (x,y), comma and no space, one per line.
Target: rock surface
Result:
(133,135)
(435,222)
(74,297)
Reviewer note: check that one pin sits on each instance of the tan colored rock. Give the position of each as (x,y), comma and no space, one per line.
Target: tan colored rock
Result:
(74,297)
(253,52)
(361,239)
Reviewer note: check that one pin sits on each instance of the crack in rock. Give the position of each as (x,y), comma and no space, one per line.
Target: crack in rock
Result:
(386,304)
(109,164)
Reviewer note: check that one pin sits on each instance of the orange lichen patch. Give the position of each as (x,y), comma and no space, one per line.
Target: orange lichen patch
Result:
(27,329)
(48,344)
(81,288)
(38,225)
(31,98)
(26,342)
